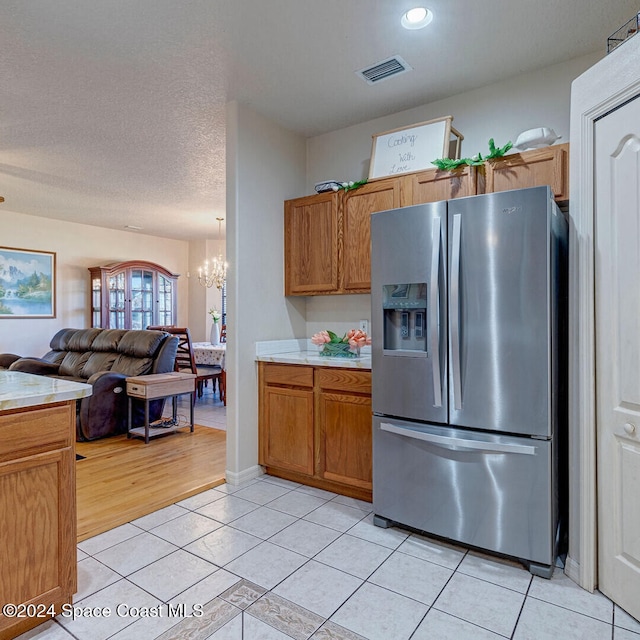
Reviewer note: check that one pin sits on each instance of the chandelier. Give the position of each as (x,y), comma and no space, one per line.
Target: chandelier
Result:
(216,272)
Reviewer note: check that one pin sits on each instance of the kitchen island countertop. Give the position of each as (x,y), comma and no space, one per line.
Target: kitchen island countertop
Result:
(19,390)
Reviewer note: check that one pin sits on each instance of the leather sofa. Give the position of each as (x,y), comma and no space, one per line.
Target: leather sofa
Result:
(103,358)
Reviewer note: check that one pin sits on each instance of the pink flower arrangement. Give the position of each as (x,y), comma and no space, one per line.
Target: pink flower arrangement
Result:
(355,338)
(321,338)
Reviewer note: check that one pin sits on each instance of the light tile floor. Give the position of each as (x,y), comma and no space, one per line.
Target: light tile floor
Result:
(274,560)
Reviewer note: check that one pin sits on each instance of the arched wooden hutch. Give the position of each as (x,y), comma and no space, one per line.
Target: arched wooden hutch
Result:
(133,295)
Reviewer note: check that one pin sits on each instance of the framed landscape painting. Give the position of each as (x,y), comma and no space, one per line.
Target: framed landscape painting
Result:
(27,283)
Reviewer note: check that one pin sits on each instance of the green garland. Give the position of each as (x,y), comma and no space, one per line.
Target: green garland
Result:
(348,186)
(448,164)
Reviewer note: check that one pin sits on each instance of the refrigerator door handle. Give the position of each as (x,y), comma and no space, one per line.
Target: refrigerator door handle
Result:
(434,315)
(454,312)
(459,444)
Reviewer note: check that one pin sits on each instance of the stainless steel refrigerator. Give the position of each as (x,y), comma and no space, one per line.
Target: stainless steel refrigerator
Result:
(469,370)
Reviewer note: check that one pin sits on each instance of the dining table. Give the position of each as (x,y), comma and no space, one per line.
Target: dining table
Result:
(209,354)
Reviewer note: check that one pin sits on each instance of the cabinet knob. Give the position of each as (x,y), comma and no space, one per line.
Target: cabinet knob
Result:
(630,428)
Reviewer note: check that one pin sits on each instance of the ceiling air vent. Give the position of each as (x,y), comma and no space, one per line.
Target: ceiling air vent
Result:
(383,70)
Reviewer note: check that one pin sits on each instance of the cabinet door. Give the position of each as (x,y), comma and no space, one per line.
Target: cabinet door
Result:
(166,301)
(142,298)
(38,507)
(357,208)
(345,436)
(118,311)
(311,244)
(434,185)
(535,168)
(38,566)
(286,429)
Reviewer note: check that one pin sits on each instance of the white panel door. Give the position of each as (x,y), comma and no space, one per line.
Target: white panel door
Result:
(617,264)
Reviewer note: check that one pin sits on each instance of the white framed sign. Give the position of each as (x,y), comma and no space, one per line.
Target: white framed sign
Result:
(414,148)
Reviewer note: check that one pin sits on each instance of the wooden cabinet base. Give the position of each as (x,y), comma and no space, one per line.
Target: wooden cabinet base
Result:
(318,483)
(315,426)
(38,506)
(15,627)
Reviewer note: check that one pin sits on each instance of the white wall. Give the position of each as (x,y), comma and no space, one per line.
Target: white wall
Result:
(78,247)
(336,313)
(197,293)
(265,166)
(202,299)
(500,111)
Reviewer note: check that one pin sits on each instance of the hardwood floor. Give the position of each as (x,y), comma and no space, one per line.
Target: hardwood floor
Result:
(122,479)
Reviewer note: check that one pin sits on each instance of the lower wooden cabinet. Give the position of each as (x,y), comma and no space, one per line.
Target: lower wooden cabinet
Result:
(38,507)
(315,426)
(344,425)
(286,417)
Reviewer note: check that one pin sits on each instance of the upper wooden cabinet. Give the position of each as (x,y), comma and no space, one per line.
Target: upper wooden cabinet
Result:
(534,168)
(327,236)
(433,185)
(311,244)
(358,205)
(132,295)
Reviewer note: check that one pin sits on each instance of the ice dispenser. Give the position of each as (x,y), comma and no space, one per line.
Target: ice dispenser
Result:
(404,318)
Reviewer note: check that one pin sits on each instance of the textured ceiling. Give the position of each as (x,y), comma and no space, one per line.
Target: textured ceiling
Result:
(112,111)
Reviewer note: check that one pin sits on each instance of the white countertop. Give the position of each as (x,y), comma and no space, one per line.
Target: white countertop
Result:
(19,389)
(304,352)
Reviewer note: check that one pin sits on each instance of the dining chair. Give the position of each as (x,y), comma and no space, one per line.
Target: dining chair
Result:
(186,362)
(223,377)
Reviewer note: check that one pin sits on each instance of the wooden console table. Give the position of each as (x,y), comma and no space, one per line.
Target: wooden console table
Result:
(155,387)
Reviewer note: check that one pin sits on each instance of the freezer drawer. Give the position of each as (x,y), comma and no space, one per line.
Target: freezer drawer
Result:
(493,492)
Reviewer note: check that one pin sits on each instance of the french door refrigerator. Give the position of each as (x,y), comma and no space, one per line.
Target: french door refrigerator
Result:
(469,370)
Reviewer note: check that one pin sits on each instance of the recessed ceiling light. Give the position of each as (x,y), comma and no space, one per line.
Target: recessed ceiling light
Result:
(133,227)
(416,18)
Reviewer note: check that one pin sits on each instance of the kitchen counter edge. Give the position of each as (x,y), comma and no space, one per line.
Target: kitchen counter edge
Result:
(312,358)
(19,390)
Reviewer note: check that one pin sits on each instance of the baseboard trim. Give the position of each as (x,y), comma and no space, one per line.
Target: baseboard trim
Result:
(572,570)
(244,475)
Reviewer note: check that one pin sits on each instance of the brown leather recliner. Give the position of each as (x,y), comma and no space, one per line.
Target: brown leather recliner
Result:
(103,358)
(7,359)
